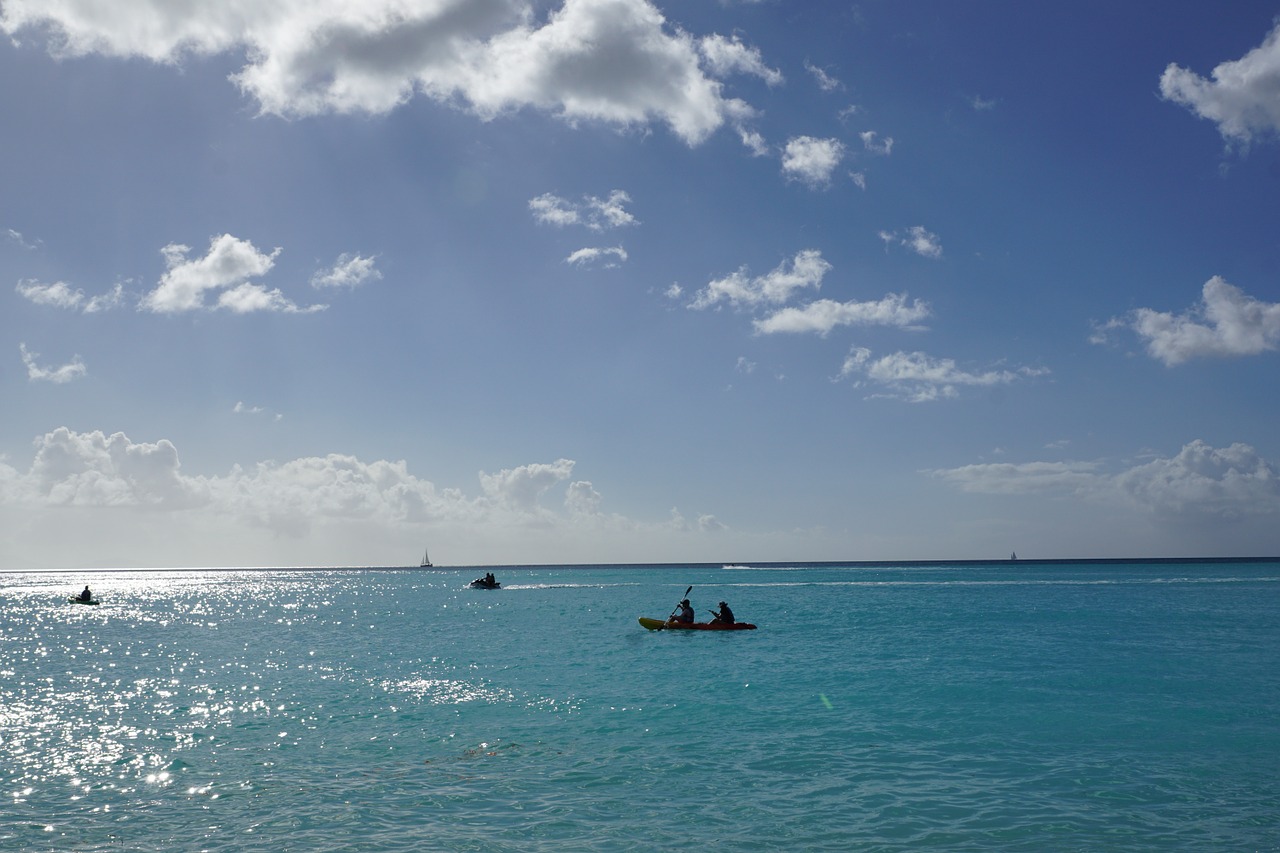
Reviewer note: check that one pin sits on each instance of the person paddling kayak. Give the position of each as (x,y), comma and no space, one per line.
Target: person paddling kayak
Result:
(86,595)
(684,613)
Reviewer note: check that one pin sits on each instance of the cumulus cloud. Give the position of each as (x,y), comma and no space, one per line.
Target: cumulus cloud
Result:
(725,56)
(739,289)
(145,507)
(93,469)
(595,213)
(59,294)
(57,375)
(916,238)
(582,499)
(1200,484)
(521,487)
(609,258)
(1225,483)
(224,270)
(1227,322)
(823,315)
(348,271)
(1243,96)
(611,61)
(754,142)
(812,161)
(918,378)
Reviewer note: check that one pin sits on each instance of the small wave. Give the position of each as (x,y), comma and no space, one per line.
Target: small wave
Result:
(514,586)
(737,567)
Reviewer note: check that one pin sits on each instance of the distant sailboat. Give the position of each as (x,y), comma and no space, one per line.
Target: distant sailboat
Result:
(1013,556)
(426,560)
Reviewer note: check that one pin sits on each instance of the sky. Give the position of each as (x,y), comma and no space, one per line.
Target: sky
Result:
(328,283)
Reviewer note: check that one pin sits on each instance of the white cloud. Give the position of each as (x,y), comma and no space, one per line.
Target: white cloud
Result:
(613,61)
(248,298)
(609,257)
(1200,484)
(805,270)
(848,112)
(16,237)
(1227,483)
(299,511)
(1006,478)
(725,56)
(595,213)
(918,378)
(229,262)
(1227,322)
(1243,98)
(872,142)
(916,238)
(710,524)
(825,81)
(348,271)
(61,295)
(550,209)
(754,142)
(811,160)
(521,487)
(97,470)
(57,375)
(581,499)
(92,469)
(823,315)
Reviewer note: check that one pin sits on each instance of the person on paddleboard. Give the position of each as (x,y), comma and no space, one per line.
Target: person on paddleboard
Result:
(724,617)
(685,613)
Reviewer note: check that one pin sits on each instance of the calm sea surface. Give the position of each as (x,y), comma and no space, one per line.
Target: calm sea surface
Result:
(1015,706)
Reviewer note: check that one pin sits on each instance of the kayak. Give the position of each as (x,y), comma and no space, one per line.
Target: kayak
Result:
(77,600)
(481,583)
(659,624)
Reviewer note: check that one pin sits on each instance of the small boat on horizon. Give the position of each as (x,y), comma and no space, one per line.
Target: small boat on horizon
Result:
(426,559)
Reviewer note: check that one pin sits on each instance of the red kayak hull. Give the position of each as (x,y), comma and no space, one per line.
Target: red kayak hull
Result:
(658,625)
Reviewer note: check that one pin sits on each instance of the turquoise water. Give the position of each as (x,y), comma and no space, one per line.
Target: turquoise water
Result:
(966,707)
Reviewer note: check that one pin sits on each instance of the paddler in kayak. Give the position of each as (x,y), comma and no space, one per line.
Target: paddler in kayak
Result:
(684,613)
(86,595)
(724,617)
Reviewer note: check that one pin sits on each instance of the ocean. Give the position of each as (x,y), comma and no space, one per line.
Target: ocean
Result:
(1015,706)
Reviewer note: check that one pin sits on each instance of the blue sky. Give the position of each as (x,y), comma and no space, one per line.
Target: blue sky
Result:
(327,283)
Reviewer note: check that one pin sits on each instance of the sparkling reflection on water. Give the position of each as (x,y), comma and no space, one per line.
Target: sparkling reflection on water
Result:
(336,710)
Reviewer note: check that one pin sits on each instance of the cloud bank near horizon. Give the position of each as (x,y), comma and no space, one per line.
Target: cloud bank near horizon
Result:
(93,470)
